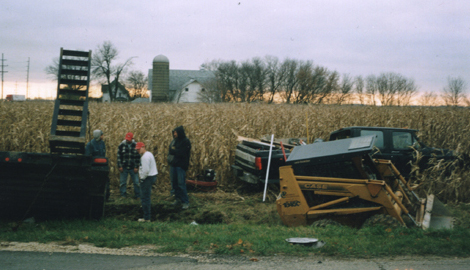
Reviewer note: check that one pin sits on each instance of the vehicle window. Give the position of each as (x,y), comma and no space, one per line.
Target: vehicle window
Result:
(341,135)
(402,140)
(379,141)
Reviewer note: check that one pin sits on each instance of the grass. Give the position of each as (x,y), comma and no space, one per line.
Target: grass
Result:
(235,239)
(243,226)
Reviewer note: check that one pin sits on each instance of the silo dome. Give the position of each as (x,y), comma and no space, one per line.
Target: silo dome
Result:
(161,59)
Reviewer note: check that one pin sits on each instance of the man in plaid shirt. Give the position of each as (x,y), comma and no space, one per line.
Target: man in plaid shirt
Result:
(128,161)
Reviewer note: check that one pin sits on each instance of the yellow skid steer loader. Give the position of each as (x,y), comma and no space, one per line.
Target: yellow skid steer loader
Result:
(339,181)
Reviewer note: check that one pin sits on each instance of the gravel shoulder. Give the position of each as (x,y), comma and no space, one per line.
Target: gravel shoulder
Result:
(149,250)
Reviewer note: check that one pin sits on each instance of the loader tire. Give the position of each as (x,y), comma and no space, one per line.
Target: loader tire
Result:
(323,223)
(386,221)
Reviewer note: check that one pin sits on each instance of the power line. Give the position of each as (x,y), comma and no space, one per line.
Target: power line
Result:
(27,80)
(3,72)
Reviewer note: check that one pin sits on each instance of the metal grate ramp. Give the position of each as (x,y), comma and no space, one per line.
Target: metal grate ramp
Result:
(68,129)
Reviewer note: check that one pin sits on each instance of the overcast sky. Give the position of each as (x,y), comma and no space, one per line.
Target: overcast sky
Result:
(427,41)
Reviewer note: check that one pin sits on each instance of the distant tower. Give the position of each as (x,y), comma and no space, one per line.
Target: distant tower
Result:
(161,79)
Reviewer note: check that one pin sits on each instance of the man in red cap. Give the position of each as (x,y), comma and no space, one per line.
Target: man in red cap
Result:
(128,160)
(148,176)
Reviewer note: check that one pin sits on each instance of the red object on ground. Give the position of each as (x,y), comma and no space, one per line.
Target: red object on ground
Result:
(201,185)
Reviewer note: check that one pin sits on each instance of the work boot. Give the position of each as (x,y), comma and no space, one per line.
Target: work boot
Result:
(185,206)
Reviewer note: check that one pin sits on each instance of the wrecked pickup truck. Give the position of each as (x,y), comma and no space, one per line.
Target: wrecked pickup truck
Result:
(251,159)
(397,145)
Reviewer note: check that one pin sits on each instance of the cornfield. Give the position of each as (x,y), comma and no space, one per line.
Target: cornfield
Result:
(213,130)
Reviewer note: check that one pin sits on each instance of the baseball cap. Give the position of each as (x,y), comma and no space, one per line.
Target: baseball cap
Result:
(129,136)
(139,145)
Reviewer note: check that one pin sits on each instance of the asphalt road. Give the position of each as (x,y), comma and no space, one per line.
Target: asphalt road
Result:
(13,260)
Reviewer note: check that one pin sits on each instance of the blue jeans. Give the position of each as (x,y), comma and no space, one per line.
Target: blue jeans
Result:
(146,188)
(123,182)
(178,182)
(172,191)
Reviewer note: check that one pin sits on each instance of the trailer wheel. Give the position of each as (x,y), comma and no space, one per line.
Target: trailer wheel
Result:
(323,223)
(382,220)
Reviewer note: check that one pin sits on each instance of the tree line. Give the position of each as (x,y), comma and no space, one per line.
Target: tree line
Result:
(269,79)
(296,81)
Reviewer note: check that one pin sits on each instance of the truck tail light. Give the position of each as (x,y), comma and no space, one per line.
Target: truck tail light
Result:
(100,160)
(258,164)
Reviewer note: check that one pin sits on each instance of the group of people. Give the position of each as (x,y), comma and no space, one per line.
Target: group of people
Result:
(133,159)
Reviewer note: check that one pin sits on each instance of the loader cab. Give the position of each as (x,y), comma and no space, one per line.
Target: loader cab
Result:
(349,159)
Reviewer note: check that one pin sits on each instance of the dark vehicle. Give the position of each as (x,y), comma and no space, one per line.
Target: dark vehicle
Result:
(395,144)
(64,183)
(251,162)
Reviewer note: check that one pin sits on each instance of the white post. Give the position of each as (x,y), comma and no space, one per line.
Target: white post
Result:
(269,164)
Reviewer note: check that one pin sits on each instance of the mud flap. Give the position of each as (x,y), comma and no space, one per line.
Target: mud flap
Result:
(436,215)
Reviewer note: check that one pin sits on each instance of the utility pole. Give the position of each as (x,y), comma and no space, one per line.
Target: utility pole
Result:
(27,80)
(3,72)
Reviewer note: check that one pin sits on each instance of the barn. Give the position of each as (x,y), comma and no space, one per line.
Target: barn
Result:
(177,86)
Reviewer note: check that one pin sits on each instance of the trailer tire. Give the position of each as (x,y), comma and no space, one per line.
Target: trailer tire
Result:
(382,220)
(323,223)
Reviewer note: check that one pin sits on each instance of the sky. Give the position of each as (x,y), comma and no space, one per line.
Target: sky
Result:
(427,41)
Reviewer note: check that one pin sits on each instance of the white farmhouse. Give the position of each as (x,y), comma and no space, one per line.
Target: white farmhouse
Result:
(121,95)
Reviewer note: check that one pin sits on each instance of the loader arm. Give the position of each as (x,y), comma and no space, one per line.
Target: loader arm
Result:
(338,196)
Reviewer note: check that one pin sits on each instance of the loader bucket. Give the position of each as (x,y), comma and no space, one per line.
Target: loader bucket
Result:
(436,216)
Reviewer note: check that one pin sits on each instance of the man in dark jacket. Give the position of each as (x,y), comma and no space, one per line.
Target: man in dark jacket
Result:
(178,159)
(97,148)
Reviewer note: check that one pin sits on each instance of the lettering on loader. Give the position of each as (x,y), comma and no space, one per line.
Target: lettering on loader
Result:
(314,186)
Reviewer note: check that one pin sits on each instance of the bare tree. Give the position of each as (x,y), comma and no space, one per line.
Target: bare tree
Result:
(359,89)
(454,93)
(244,90)
(305,81)
(103,66)
(467,102)
(345,90)
(387,88)
(53,71)
(371,89)
(212,65)
(227,75)
(257,78)
(137,81)
(331,86)
(274,76)
(320,85)
(290,68)
(405,91)
(390,88)
(429,99)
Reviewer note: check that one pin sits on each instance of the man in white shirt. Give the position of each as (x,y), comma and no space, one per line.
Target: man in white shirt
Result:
(148,176)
